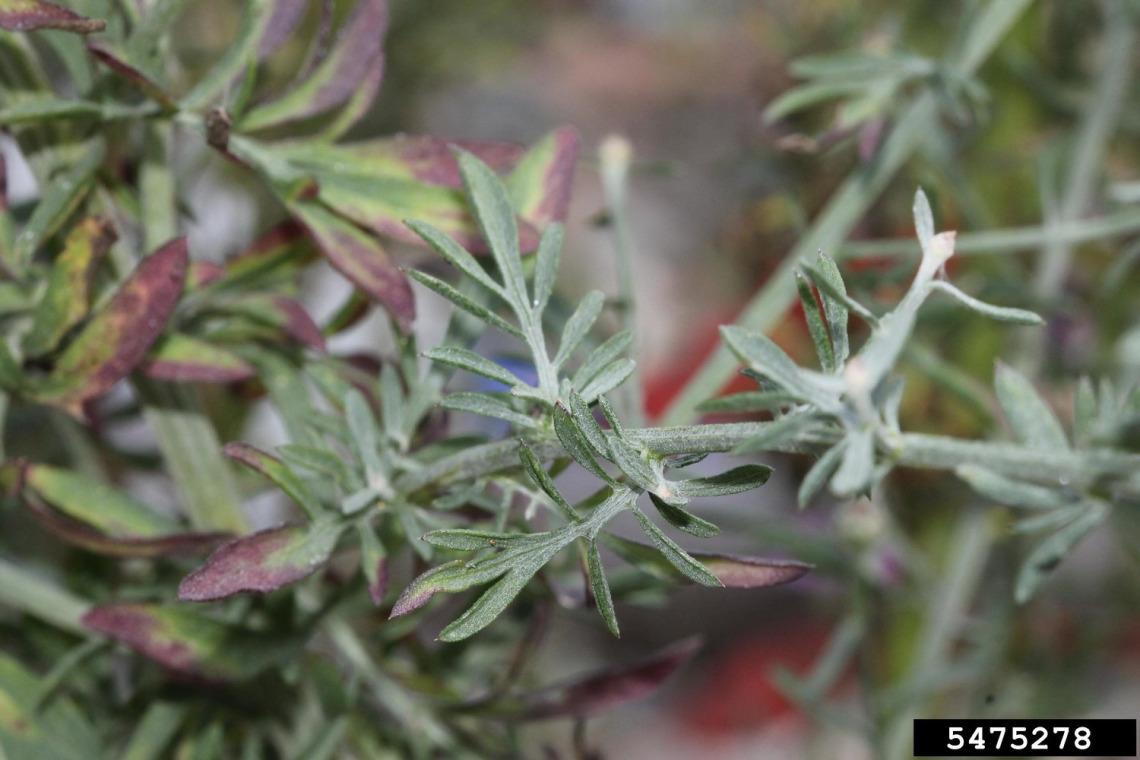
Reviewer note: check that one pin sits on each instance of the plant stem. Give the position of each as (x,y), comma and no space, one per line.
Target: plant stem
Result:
(24,591)
(847,206)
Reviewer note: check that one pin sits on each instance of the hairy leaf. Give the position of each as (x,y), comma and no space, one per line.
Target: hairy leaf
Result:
(543,480)
(683,520)
(463,302)
(737,480)
(276,471)
(1030,418)
(677,557)
(1046,557)
(999,313)
(539,186)
(473,362)
(1011,492)
(118,61)
(546,266)
(600,587)
(732,571)
(601,358)
(489,405)
(578,326)
(609,378)
(815,322)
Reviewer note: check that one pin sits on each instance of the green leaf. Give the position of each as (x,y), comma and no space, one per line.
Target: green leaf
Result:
(609,378)
(634,466)
(602,358)
(1045,558)
(463,302)
(737,480)
(57,731)
(374,562)
(819,473)
(542,479)
(1030,418)
(321,461)
(748,401)
(116,339)
(487,607)
(46,108)
(539,186)
(578,326)
(159,724)
(359,257)
(857,467)
(834,309)
(733,571)
(109,53)
(262,562)
(762,355)
(191,643)
(241,49)
(575,442)
(367,439)
(677,557)
(779,431)
(600,587)
(805,96)
(831,287)
(546,266)
(62,195)
(28,15)
(278,473)
(999,313)
(683,520)
(357,51)
(455,253)
(472,362)
(818,330)
(465,539)
(923,220)
(1011,492)
(1084,412)
(183,359)
(496,219)
(489,405)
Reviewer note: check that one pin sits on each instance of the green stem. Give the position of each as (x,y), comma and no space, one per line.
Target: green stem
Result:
(22,590)
(192,452)
(847,206)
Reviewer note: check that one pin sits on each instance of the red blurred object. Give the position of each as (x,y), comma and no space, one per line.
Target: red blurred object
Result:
(738,694)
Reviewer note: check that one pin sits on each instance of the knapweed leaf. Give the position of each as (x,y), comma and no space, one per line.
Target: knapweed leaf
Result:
(118,60)
(278,473)
(1030,418)
(1011,492)
(262,562)
(462,358)
(762,355)
(488,606)
(834,309)
(773,434)
(923,219)
(359,257)
(1084,412)
(546,266)
(498,406)
(456,254)
(496,219)
(539,186)
(747,401)
(69,290)
(324,462)
(181,358)
(575,443)
(584,419)
(732,571)
(611,376)
(284,248)
(31,730)
(373,562)
(600,587)
(29,15)
(857,466)
(684,520)
(602,358)
(469,305)
(999,313)
(737,480)
(542,479)
(367,439)
(819,474)
(635,467)
(578,326)
(470,539)
(255,22)
(355,53)
(677,557)
(815,322)
(1048,555)
(831,287)
(191,643)
(117,337)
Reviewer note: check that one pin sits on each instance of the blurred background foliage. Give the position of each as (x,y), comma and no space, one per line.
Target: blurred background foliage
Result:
(911,607)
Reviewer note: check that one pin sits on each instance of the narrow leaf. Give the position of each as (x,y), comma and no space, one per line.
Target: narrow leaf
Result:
(546,266)
(589,427)
(539,186)
(748,401)
(609,378)
(496,219)
(818,330)
(575,443)
(601,358)
(488,405)
(182,359)
(578,326)
(463,302)
(923,219)
(543,480)
(834,309)
(819,474)
(737,480)
(733,571)
(783,430)
(999,313)
(1030,418)
(831,286)
(27,15)
(472,362)
(1011,492)
(61,197)
(1084,412)
(487,607)
(677,557)
(683,520)
(117,338)
(277,472)
(1046,557)
(262,562)
(857,467)
(374,562)
(464,539)
(456,254)
(760,354)
(110,55)
(601,587)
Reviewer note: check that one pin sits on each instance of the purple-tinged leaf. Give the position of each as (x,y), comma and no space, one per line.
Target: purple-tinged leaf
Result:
(191,643)
(732,571)
(98,517)
(360,258)
(353,56)
(601,691)
(283,19)
(117,338)
(277,472)
(358,105)
(282,245)
(273,310)
(68,296)
(540,185)
(202,273)
(26,15)
(262,562)
(183,359)
(116,61)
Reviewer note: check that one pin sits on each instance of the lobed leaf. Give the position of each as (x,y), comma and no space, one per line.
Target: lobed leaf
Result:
(278,473)
(1030,418)
(353,56)
(69,289)
(191,643)
(28,15)
(360,258)
(181,358)
(262,562)
(117,338)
